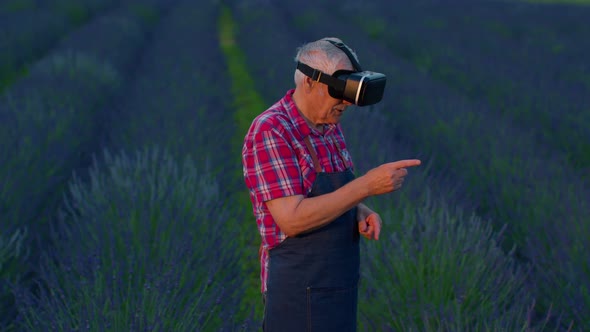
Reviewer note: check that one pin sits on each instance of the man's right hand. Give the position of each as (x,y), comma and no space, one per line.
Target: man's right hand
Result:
(388,177)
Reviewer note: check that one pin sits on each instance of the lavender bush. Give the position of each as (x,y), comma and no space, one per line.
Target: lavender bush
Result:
(443,271)
(12,252)
(19,47)
(141,247)
(437,266)
(50,124)
(28,29)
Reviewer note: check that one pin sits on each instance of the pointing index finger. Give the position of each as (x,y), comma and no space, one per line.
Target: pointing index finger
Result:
(405,163)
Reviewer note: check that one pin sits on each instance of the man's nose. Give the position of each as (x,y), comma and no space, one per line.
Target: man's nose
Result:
(346,102)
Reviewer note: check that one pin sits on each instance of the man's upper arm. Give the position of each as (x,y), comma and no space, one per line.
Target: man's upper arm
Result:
(283,209)
(272,168)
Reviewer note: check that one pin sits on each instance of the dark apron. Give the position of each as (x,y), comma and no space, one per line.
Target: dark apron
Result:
(313,278)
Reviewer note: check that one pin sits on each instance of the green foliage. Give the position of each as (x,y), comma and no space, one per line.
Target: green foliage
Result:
(148,14)
(443,270)
(46,21)
(13,255)
(45,127)
(248,104)
(76,12)
(375,28)
(10,249)
(11,6)
(21,46)
(247,101)
(45,130)
(146,195)
(138,248)
(10,74)
(73,65)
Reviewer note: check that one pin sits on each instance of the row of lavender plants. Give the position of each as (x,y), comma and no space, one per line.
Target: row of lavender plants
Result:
(28,29)
(436,267)
(146,242)
(139,250)
(49,123)
(528,60)
(514,180)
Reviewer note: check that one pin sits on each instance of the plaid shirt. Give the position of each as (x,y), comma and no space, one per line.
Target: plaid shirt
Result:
(276,164)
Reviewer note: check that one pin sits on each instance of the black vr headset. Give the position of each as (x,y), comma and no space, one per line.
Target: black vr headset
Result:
(358,87)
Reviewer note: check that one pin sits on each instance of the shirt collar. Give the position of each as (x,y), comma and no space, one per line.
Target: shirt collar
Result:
(298,120)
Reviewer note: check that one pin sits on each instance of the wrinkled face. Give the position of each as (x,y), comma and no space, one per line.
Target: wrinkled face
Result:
(326,110)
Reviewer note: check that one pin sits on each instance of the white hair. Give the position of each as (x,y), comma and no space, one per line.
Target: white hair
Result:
(321,55)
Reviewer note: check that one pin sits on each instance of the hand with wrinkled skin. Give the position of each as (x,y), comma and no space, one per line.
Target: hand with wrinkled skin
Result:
(381,180)
(388,177)
(370,226)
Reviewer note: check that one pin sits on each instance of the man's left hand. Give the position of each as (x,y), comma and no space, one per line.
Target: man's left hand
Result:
(370,227)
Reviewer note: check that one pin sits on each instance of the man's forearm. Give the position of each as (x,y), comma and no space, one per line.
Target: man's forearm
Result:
(318,211)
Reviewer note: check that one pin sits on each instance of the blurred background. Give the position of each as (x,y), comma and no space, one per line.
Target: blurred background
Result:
(122,202)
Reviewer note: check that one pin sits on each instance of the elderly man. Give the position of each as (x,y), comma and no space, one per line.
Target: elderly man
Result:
(306,199)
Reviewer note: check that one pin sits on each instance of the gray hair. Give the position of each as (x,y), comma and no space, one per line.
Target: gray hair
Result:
(321,55)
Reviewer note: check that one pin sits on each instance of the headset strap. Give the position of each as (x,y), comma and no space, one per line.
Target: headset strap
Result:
(316,162)
(355,64)
(318,75)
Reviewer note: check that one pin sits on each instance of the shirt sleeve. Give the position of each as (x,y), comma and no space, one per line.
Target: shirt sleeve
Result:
(276,169)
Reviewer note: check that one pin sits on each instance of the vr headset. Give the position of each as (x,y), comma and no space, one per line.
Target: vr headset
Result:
(356,86)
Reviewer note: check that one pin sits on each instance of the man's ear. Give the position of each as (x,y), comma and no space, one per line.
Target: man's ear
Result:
(308,82)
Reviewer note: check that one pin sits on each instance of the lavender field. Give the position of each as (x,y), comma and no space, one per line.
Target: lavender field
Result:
(122,205)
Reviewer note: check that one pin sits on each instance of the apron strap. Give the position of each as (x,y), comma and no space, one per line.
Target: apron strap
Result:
(335,142)
(314,156)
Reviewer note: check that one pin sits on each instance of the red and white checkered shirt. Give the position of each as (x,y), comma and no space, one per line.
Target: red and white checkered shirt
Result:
(276,164)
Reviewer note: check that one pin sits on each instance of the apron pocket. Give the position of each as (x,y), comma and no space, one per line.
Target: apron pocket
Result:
(331,309)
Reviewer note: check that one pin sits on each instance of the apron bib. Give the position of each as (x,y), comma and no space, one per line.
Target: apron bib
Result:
(313,278)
